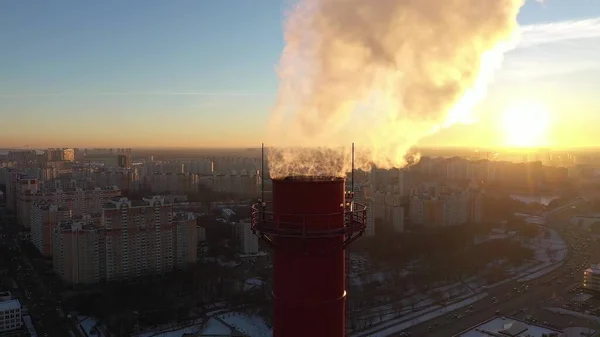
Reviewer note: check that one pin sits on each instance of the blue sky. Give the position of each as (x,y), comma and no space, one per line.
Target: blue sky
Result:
(139,72)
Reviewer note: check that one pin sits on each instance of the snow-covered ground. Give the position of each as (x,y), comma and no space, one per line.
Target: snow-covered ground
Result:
(252,283)
(499,324)
(403,323)
(216,328)
(573,313)
(86,325)
(249,325)
(222,262)
(171,333)
(530,199)
(549,251)
(29,326)
(220,324)
(579,331)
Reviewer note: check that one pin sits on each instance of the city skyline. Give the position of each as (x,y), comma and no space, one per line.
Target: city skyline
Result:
(117,74)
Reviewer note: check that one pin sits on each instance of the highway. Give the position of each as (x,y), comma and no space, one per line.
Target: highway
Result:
(542,289)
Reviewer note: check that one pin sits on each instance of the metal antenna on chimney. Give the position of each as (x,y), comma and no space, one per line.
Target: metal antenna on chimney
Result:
(348,258)
(352,176)
(262,173)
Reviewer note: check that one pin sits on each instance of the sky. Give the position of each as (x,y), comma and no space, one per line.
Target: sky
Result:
(187,73)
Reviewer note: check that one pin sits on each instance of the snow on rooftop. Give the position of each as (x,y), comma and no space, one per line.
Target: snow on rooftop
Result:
(249,325)
(29,325)
(87,324)
(214,327)
(10,304)
(172,333)
(508,327)
(252,283)
(219,325)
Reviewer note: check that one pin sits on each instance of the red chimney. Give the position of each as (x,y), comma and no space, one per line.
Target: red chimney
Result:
(309,224)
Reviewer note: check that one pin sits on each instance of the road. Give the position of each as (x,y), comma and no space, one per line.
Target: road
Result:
(43,306)
(537,293)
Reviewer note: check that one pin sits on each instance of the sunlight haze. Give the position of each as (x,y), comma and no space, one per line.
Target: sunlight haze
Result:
(204,74)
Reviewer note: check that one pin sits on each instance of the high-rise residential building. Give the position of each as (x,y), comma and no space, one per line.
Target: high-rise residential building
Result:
(172,182)
(440,206)
(185,239)
(394,216)
(475,203)
(11,176)
(23,156)
(248,241)
(131,238)
(60,155)
(10,313)
(79,201)
(138,237)
(201,234)
(25,186)
(362,197)
(124,160)
(44,218)
(245,185)
(75,255)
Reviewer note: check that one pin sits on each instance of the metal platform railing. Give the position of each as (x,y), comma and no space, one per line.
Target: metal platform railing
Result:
(349,223)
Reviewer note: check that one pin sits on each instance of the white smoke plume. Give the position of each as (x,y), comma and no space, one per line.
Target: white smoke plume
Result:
(382,74)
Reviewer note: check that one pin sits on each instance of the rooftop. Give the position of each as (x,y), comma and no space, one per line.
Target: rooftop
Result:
(75,225)
(593,269)
(178,216)
(10,304)
(311,178)
(509,327)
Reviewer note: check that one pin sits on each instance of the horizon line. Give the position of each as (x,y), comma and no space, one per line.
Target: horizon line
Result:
(141,93)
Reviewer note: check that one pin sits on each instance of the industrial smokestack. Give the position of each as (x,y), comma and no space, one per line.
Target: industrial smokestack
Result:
(309,224)
(382,73)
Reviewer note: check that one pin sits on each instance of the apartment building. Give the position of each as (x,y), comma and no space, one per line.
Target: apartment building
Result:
(245,185)
(248,241)
(44,218)
(201,233)
(441,206)
(185,239)
(10,313)
(394,217)
(79,201)
(11,178)
(177,183)
(362,197)
(60,154)
(131,238)
(138,237)
(75,255)
(25,185)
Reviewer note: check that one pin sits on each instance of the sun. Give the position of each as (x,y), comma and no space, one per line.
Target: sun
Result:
(526,124)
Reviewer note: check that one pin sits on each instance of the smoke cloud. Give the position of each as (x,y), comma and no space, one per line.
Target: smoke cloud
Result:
(382,74)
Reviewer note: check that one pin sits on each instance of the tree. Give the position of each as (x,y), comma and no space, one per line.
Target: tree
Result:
(413,301)
(437,296)
(397,308)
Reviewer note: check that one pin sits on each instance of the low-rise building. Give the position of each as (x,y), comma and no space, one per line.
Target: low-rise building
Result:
(510,327)
(591,279)
(10,312)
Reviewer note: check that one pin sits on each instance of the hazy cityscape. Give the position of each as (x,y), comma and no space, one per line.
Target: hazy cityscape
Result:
(326,168)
